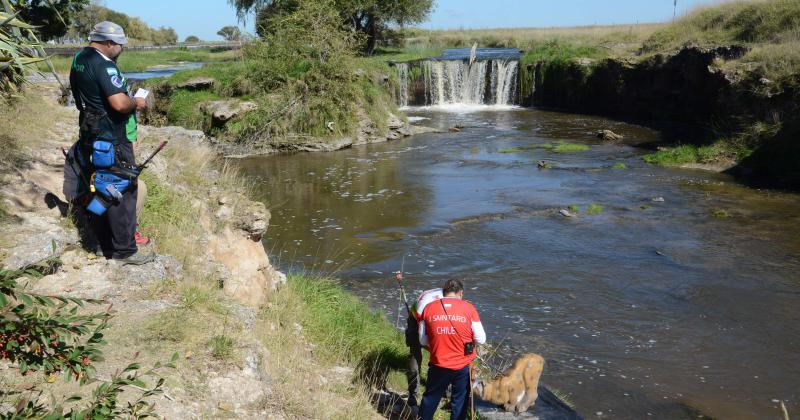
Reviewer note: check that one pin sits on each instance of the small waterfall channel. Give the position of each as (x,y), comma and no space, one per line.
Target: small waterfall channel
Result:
(492,79)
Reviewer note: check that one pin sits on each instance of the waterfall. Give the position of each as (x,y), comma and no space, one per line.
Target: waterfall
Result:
(449,82)
(455,82)
(402,76)
(504,80)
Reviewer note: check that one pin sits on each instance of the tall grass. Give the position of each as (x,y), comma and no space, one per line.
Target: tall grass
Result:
(337,321)
(742,22)
(312,316)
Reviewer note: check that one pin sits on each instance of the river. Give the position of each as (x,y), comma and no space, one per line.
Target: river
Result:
(680,297)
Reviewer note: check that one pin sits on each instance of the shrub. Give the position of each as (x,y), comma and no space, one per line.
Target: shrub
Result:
(54,334)
(304,71)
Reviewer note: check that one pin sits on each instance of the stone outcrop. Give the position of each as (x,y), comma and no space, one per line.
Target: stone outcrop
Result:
(248,278)
(234,227)
(220,112)
(198,83)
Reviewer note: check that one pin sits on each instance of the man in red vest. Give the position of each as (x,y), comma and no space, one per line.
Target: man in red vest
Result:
(450,328)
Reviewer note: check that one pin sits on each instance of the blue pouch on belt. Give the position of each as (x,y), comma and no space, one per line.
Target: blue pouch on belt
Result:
(103,154)
(109,184)
(108,187)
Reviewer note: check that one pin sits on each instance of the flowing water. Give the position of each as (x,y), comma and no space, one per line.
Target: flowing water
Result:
(162,70)
(456,82)
(680,297)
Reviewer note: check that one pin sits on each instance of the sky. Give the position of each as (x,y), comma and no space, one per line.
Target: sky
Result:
(203,18)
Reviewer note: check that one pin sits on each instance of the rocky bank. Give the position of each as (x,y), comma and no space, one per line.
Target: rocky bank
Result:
(166,306)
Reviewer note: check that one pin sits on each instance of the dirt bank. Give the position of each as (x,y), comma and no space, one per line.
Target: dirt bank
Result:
(694,97)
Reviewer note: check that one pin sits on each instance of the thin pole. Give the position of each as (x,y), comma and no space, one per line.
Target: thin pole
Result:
(471,395)
(674,10)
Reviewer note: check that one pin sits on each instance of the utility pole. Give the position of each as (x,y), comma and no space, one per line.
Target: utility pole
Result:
(674,10)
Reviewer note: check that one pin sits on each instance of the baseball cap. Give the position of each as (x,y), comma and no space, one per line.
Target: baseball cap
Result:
(108,31)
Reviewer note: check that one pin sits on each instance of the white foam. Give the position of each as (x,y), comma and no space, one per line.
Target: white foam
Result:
(465,108)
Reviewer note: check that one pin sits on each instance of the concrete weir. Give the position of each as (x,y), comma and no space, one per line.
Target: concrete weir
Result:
(453,78)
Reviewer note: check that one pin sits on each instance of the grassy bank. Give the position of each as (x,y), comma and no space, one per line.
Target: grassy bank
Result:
(770,29)
(339,330)
(283,115)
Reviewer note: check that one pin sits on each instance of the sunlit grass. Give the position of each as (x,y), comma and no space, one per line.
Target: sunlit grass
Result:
(564,147)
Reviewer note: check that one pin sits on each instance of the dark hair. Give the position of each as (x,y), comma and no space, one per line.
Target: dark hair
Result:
(452,286)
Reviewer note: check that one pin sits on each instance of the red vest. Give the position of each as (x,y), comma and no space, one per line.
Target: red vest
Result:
(448,328)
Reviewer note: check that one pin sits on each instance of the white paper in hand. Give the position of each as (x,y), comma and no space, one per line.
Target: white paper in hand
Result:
(141,93)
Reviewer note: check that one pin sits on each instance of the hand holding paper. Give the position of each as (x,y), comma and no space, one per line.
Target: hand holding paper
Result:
(141,93)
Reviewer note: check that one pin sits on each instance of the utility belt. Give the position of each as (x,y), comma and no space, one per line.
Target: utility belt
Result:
(112,176)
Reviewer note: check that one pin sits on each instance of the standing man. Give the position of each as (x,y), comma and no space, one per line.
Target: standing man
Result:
(107,112)
(450,328)
(412,341)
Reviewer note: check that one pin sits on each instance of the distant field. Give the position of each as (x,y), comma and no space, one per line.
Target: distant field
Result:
(540,43)
(140,60)
(770,29)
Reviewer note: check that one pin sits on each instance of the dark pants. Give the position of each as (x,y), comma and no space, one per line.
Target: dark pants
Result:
(415,361)
(115,229)
(438,380)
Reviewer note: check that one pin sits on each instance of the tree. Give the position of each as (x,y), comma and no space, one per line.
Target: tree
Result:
(87,17)
(51,17)
(192,38)
(372,18)
(139,30)
(164,36)
(230,33)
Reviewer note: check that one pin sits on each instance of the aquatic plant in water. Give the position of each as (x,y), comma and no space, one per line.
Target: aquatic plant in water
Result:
(594,208)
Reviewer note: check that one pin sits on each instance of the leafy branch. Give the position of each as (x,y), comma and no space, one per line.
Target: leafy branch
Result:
(52,334)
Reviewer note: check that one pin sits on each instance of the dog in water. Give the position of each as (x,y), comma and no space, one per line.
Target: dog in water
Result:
(516,389)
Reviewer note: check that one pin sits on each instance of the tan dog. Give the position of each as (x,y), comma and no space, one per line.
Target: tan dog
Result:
(516,389)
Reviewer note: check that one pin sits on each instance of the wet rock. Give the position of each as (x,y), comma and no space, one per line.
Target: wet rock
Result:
(548,407)
(397,128)
(223,111)
(542,164)
(367,129)
(567,213)
(608,135)
(198,83)
(658,200)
